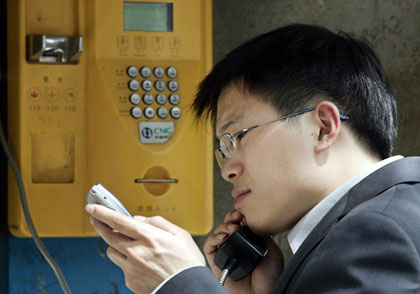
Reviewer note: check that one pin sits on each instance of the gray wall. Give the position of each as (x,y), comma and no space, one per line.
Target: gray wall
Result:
(391,26)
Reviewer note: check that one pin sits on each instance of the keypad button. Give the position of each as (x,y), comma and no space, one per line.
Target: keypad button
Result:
(134,98)
(149,112)
(173,86)
(174,99)
(158,72)
(160,85)
(133,85)
(171,72)
(161,99)
(162,112)
(147,85)
(136,112)
(132,71)
(145,72)
(148,99)
(176,112)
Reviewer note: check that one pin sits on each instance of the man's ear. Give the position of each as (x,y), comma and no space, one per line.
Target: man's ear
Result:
(329,125)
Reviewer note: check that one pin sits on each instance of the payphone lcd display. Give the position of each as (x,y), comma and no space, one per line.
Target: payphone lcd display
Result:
(147,16)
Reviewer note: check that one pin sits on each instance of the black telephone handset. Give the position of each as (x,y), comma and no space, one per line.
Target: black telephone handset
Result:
(238,256)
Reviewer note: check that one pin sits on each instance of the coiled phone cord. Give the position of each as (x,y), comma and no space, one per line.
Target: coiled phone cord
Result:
(23,199)
(227,271)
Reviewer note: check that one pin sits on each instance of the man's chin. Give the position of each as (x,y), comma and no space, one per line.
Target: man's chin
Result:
(260,231)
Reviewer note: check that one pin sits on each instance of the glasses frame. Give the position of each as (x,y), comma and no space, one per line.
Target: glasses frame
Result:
(220,155)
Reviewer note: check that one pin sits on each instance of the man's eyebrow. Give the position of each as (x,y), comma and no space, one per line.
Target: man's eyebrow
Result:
(227,124)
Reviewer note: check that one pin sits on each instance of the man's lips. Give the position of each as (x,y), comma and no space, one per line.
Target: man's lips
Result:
(239,194)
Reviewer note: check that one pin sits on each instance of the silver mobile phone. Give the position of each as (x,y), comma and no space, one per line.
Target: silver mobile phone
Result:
(98,194)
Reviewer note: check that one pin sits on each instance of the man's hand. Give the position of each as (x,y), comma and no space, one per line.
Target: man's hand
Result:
(148,250)
(265,275)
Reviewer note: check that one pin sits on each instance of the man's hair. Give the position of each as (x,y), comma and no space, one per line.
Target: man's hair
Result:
(297,66)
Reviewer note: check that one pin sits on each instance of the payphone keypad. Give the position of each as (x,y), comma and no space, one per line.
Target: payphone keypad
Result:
(164,92)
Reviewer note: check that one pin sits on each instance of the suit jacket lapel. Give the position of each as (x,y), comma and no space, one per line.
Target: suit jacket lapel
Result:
(400,171)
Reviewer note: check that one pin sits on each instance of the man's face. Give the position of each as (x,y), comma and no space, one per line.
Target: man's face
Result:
(271,171)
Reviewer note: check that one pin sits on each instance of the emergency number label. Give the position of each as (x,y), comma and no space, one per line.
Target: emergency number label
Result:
(156,132)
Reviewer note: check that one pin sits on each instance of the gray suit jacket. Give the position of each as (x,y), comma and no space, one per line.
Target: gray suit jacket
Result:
(369,242)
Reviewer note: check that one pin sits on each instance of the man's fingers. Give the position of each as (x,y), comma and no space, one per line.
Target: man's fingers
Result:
(221,233)
(163,224)
(232,222)
(111,237)
(210,248)
(213,242)
(234,216)
(139,218)
(119,222)
(116,257)
(226,228)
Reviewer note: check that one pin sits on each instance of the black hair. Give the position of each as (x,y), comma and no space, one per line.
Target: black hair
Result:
(299,65)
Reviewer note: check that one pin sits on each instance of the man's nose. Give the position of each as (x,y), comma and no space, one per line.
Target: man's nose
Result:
(231,169)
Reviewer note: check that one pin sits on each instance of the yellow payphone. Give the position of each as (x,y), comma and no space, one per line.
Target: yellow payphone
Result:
(99,92)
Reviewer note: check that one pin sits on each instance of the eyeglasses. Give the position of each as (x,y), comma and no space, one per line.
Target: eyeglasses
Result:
(229,142)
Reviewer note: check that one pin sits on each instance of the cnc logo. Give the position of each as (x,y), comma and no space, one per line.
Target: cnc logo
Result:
(163,131)
(156,132)
(147,133)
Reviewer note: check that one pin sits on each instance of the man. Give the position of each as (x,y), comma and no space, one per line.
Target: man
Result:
(306,121)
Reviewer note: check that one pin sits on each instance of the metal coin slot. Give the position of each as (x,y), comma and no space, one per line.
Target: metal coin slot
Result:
(54,49)
(156,181)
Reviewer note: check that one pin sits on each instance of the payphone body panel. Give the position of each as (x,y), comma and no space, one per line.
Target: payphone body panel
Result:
(73,125)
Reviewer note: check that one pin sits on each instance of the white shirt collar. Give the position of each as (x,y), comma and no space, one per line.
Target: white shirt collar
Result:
(306,224)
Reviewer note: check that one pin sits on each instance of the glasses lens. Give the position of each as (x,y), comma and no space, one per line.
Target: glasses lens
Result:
(227,145)
(219,157)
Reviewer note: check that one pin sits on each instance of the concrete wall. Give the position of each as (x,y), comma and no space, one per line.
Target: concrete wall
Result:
(391,26)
